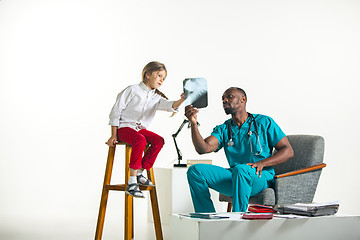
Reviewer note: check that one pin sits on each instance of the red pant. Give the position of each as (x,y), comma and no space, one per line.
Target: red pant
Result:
(138,140)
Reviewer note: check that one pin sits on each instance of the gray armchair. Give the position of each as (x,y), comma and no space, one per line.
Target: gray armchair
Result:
(295,180)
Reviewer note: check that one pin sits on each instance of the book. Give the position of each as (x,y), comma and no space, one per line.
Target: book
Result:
(192,162)
(309,209)
(257,208)
(204,215)
(255,216)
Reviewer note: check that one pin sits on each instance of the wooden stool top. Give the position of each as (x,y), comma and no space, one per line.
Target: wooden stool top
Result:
(121,143)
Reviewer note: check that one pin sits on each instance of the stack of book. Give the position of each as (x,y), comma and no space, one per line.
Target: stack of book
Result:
(192,162)
(258,212)
(309,209)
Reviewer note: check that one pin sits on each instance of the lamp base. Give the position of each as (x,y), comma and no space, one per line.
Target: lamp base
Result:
(180,165)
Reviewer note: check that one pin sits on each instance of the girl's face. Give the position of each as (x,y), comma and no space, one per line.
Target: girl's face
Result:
(155,79)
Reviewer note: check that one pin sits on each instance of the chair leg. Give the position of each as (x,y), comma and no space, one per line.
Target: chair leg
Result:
(105,193)
(155,207)
(229,207)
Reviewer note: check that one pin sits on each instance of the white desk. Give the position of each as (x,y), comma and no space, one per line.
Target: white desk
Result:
(319,228)
(174,194)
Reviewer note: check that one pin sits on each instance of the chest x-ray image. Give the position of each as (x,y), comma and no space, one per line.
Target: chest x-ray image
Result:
(195,91)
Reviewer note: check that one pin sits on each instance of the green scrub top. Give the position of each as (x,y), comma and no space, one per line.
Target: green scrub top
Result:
(242,151)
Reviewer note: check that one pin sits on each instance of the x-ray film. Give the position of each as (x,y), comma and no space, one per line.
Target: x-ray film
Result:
(195,91)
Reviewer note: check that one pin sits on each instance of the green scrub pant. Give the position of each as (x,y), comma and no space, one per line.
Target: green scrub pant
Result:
(239,182)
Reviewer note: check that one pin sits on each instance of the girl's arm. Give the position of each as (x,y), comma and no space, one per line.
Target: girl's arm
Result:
(122,100)
(177,103)
(113,139)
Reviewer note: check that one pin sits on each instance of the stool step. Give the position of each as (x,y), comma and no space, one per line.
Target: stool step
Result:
(122,187)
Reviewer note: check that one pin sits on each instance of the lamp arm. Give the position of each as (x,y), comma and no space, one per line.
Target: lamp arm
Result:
(177,149)
(174,137)
(180,128)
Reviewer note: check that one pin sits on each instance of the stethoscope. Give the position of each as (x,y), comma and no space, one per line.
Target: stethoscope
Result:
(230,143)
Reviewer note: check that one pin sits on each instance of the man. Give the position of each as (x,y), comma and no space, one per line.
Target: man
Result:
(248,141)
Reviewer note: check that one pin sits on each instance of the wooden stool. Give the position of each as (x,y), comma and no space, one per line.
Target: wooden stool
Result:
(129,213)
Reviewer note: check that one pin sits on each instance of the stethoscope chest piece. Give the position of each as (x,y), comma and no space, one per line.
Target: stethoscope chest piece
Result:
(230,142)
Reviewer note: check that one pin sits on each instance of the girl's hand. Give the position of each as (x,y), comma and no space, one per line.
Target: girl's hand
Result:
(182,97)
(177,103)
(112,141)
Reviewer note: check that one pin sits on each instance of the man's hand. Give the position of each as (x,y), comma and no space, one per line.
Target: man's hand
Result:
(284,153)
(258,165)
(201,145)
(191,113)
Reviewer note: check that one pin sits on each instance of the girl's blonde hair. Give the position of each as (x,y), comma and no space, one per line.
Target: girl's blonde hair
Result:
(149,69)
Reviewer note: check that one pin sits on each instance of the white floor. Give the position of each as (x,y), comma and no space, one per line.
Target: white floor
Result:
(143,231)
(78,231)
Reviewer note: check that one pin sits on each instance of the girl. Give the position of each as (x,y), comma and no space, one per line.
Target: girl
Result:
(130,117)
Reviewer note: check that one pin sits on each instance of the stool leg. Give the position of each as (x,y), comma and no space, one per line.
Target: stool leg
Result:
(129,201)
(105,193)
(129,217)
(155,207)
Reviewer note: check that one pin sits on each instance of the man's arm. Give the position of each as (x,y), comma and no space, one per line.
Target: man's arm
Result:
(201,145)
(284,153)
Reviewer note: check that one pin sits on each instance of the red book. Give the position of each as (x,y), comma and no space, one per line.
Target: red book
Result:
(257,208)
(253,216)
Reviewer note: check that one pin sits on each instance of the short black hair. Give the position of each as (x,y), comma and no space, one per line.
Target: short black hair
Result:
(240,90)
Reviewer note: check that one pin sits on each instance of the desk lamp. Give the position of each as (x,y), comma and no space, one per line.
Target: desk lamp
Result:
(176,146)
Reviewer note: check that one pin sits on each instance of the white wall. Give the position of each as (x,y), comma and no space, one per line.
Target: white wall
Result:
(62,64)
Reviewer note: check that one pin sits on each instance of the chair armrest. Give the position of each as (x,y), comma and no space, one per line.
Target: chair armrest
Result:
(302,170)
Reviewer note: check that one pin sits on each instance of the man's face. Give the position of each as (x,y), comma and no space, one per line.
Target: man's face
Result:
(232,100)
